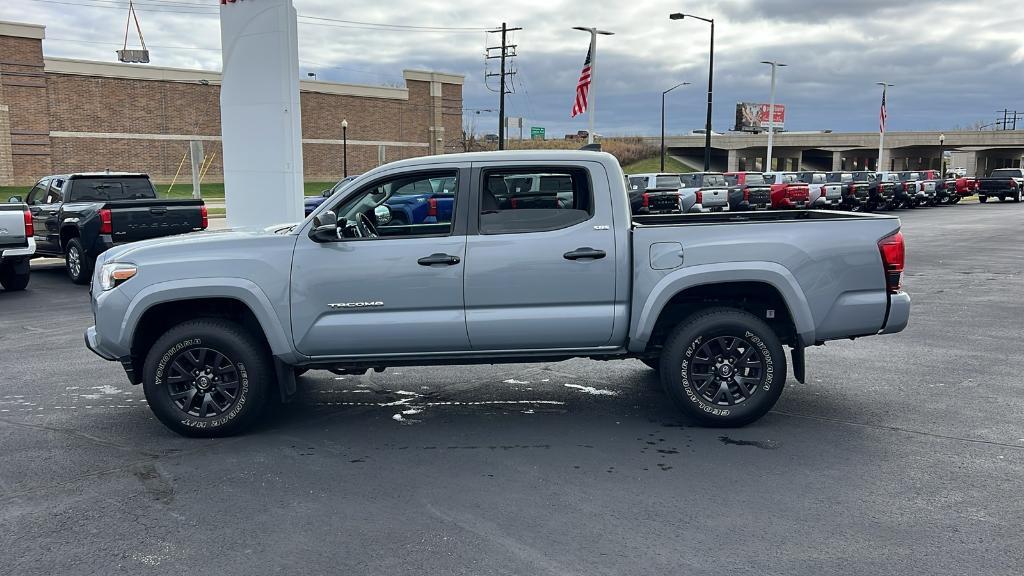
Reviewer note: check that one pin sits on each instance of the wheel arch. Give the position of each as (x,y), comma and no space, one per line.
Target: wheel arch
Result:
(754,286)
(161,306)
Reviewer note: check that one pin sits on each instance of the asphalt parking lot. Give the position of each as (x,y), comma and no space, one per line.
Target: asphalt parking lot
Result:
(903,454)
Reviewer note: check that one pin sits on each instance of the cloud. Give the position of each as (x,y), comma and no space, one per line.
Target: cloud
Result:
(954,63)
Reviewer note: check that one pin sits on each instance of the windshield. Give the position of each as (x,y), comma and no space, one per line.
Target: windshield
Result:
(841,177)
(714,180)
(102,189)
(910,176)
(863,177)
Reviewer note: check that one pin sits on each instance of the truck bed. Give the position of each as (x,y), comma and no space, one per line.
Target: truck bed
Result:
(751,217)
(825,264)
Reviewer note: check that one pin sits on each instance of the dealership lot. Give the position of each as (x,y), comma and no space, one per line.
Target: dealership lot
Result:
(902,454)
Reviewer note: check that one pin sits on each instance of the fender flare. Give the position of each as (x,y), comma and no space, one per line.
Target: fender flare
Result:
(240,289)
(682,279)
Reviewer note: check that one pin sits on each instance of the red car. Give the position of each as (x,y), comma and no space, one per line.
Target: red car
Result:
(788,191)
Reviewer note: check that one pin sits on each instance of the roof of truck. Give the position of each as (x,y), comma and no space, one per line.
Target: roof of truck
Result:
(97,174)
(508,155)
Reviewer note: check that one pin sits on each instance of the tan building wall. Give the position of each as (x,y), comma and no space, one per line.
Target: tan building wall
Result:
(70,115)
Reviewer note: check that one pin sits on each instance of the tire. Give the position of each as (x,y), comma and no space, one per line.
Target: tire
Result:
(77,263)
(1016,197)
(172,386)
(11,279)
(982,199)
(731,334)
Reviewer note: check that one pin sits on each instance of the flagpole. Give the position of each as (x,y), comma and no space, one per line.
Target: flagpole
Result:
(593,69)
(590,94)
(881,127)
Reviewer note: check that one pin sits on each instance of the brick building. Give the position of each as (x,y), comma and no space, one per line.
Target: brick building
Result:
(65,115)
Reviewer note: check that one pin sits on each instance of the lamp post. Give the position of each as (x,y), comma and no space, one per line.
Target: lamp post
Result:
(711,79)
(771,111)
(881,126)
(942,156)
(593,71)
(344,148)
(663,121)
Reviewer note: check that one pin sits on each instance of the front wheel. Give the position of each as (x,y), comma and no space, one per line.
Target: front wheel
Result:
(723,367)
(207,378)
(77,262)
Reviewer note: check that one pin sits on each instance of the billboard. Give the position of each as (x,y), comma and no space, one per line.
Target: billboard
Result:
(753,117)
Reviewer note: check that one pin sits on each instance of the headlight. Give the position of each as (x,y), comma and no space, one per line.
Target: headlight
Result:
(113,274)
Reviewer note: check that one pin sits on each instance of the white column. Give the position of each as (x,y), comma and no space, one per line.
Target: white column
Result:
(261,123)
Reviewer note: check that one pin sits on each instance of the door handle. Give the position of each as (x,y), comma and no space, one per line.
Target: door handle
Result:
(439,258)
(585,252)
(35,210)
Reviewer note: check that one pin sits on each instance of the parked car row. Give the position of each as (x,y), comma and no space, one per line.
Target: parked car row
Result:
(856,191)
(77,217)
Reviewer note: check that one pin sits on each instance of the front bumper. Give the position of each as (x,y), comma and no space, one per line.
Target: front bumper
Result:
(92,342)
(899,313)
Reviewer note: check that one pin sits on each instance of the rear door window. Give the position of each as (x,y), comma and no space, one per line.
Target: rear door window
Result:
(519,201)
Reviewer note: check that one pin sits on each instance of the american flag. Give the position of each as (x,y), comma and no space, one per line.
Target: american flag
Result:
(579,106)
(882,115)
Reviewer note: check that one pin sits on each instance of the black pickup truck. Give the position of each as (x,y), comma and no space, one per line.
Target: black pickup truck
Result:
(79,216)
(1002,183)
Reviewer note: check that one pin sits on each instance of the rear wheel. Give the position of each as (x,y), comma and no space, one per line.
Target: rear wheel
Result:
(1016,197)
(207,378)
(14,275)
(982,199)
(723,367)
(77,262)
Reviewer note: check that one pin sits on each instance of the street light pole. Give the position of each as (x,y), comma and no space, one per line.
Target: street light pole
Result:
(711,86)
(344,148)
(663,121)
(771,113)
(881,127)
(591,108)
(942,156)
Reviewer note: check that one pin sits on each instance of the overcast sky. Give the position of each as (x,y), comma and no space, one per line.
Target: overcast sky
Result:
(954,63)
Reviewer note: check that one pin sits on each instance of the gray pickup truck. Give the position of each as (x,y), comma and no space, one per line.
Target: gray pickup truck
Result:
(16,245)
(216,324)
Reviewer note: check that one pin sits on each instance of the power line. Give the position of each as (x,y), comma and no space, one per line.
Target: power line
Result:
(508,51)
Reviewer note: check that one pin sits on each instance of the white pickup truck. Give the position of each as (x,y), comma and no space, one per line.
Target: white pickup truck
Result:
(17,245)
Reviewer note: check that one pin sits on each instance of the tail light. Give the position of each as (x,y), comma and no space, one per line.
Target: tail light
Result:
(30,227)
(746,194)
(432,207)
(893,259)
(647,200)
(106,224)
(206,216)
(514,203)
(700,197)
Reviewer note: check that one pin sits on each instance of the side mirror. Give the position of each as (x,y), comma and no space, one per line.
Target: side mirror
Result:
(326,193)
(14,200)
(383,215)
(325,227)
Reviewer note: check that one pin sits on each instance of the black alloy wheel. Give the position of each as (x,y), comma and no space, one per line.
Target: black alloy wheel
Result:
(202,382)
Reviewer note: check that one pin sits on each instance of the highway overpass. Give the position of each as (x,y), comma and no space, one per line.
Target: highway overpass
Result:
(979,152)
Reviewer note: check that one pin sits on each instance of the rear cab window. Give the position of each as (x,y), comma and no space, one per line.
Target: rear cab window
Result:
(667,181)
(521,200)
(110,188)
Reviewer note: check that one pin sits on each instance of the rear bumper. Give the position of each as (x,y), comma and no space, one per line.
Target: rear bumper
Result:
(18,252)
(899,313)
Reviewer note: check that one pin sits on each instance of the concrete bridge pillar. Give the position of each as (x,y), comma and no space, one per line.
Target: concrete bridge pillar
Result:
(837,161)
(733,165)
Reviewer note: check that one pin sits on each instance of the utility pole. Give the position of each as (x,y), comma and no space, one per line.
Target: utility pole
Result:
(506,51)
